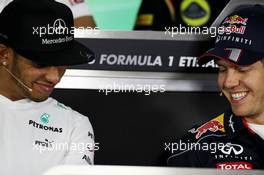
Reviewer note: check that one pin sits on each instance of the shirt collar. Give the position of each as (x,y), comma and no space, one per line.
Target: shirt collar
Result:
(233,124)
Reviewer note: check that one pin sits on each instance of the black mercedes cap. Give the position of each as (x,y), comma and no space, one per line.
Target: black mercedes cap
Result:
(42,31)
(242,40)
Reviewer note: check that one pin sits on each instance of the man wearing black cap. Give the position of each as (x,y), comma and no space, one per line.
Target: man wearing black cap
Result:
(234,139)
(37,132)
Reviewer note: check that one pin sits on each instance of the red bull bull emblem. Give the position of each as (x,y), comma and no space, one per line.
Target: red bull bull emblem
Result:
(236,20)
(212,125)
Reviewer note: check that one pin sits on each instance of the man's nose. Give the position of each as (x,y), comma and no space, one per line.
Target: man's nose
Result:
(231,79)
(54,74)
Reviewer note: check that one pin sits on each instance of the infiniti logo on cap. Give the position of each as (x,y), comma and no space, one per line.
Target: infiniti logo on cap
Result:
(58,27)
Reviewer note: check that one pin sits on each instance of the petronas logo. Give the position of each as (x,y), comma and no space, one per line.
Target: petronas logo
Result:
(44,118)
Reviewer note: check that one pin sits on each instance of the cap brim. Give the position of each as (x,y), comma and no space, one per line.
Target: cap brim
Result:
(76,54)
(245,58)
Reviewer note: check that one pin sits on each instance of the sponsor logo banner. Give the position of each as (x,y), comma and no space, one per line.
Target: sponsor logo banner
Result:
(212,126)
(234,166)
(147,55)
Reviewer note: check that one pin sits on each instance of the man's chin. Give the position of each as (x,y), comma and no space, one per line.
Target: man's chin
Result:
(39,99)
(240,112)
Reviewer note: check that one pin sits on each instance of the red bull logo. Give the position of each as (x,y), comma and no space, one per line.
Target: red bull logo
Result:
(234,29)
(236,20)
(212,126)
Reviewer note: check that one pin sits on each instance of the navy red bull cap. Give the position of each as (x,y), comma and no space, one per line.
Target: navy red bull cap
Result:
(241,40)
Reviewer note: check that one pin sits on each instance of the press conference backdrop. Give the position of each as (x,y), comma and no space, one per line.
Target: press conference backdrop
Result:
(114,14)
(122,15)
(133,127)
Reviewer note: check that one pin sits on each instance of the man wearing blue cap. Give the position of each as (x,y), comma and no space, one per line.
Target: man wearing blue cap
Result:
(234,139)
(37,132)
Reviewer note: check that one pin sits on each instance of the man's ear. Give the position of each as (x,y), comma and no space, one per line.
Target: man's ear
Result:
(5,54)
(3,51)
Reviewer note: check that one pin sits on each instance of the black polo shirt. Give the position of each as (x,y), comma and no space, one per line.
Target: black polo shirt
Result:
(224,142)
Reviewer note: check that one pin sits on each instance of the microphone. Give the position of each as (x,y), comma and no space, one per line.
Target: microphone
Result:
(18,80)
